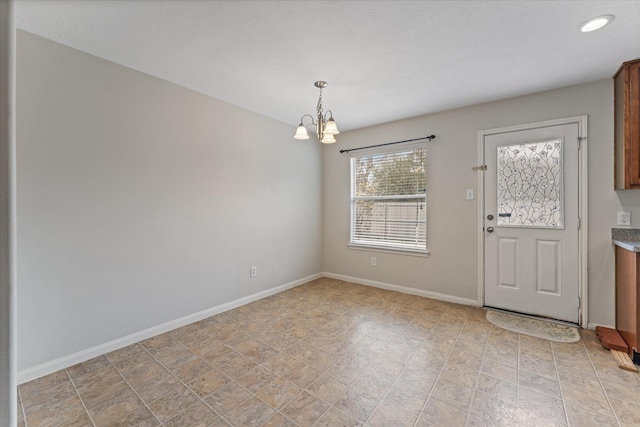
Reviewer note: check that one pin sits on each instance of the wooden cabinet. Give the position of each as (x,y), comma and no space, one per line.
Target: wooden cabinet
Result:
(628,299)
(627,125)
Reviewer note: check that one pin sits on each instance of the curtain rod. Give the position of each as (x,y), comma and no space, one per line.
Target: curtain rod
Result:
(430,138)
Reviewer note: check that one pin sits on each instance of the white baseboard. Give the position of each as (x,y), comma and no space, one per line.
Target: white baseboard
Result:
(404,289)
(593,326)
(63,362)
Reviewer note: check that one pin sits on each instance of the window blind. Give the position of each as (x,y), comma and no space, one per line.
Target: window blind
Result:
(389,199)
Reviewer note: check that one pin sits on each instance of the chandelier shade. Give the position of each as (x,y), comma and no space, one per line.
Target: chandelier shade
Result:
(301,133)
(331,127)
(328,139)
(325,126)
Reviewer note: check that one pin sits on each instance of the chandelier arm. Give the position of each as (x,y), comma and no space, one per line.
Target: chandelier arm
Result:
(313,122)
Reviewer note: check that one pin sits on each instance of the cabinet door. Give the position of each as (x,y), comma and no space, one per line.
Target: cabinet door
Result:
(632,124)
(627,126)
(627,316)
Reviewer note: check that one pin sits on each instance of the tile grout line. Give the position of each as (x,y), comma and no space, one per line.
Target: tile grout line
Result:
(518,370)
(557,377)
(336,335)
(144,404)
(128,384)
(302,389)
(24,414)
(400,374)
(161,423)
(332,404)
(258,364)
(277,411)
(392,385)
(442,368)
(555,365)
(604,391)
(86,410)
(252,393)
(213,367)
(475,387)
(490,375)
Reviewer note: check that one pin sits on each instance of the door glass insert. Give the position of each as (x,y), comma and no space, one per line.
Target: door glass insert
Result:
(529,181)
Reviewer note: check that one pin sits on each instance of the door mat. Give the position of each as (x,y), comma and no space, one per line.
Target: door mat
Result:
(533,327)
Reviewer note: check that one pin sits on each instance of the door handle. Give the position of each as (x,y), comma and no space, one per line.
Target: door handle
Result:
(489,229)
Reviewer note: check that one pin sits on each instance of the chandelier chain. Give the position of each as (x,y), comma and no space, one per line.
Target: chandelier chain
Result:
(319,106)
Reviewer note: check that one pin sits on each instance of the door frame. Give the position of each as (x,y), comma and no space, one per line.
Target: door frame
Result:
(581,121)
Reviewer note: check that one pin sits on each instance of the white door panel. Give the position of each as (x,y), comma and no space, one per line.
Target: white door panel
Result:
(531,221)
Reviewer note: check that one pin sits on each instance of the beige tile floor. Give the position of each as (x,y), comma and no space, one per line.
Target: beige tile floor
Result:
(331,353)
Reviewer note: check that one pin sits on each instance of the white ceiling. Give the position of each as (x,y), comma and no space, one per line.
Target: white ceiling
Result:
(383,60)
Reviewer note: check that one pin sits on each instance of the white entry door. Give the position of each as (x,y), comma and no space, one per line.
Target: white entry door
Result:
(531,188)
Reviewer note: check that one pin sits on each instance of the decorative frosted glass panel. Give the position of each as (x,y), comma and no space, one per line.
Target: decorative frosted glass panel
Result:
(530,185)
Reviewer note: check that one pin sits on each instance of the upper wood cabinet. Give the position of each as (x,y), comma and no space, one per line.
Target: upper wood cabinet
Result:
(627,125)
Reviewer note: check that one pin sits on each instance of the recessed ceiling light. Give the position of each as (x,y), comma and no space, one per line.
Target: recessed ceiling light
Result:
(596,23)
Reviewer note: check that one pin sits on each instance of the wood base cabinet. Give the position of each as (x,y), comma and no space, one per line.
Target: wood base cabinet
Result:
(628,299)
(627,125)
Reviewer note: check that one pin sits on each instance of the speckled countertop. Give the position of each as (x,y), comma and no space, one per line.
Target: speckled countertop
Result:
(627,238)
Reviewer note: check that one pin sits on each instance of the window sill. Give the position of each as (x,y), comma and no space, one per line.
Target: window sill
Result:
(398,251)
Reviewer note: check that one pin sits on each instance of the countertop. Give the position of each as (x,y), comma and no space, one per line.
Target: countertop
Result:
(626,238)
(630,245)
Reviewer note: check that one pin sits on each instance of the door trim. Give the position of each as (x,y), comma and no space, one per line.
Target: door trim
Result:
(581,121)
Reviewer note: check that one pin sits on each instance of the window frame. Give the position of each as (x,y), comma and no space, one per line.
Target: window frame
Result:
(383,246)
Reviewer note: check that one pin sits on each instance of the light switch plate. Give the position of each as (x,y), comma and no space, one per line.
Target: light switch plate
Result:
(470,194)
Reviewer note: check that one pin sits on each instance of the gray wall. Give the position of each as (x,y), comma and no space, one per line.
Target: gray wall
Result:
(141,202)
(451,269)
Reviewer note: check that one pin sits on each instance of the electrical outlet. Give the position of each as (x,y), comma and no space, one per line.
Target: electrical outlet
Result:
(624,218)
(470,194)
(373,261)
(253,272)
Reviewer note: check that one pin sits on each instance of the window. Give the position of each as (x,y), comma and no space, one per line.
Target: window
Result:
(389,199)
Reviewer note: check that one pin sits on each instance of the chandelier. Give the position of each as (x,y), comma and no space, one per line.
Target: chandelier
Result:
(325,127)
